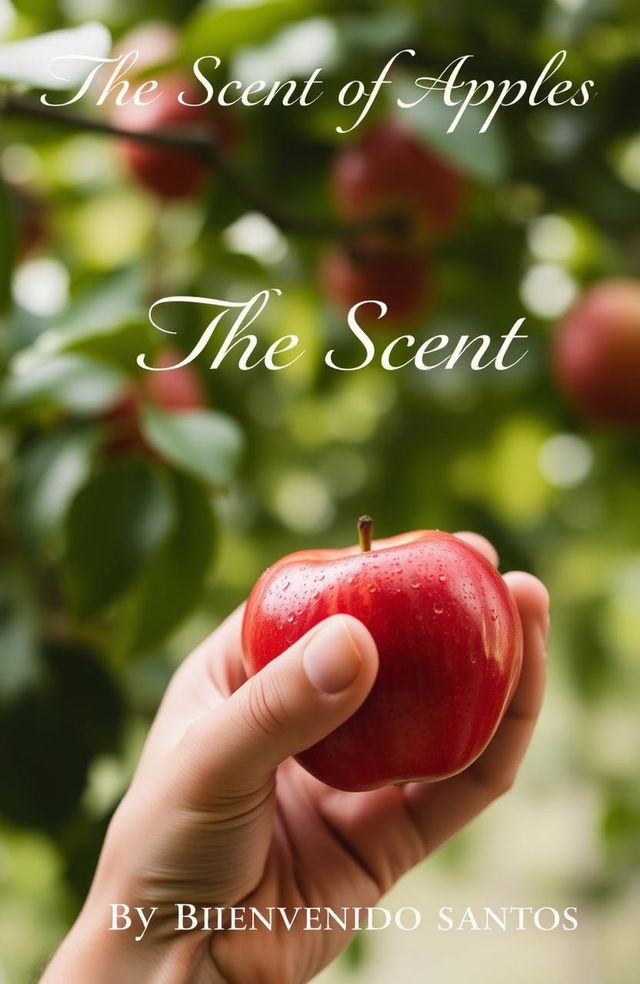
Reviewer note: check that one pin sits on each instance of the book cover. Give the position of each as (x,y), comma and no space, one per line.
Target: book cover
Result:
(334,308)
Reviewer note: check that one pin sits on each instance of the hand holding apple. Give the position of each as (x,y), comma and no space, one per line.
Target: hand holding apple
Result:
(205,804)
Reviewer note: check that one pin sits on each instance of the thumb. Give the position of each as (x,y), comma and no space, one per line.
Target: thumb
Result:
(290,704)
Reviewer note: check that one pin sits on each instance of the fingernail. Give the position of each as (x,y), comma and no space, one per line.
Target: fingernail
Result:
(331,659)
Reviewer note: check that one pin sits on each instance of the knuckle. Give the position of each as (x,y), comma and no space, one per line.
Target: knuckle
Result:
(264,708)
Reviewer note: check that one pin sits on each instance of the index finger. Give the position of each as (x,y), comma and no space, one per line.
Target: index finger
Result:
(481,544)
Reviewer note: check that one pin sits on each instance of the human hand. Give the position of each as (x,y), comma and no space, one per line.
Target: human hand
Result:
(218,814)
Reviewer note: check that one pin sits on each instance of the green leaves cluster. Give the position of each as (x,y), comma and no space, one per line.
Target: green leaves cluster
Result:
(124,522)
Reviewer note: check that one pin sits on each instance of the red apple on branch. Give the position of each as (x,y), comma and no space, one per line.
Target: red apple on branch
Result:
(596,353)
(174,390)
(399,278)
(391,174)
(170,173)
(449,640)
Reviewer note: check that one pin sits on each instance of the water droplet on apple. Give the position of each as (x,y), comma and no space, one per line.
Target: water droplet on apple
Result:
(350,580)
(437,607)
(372,588)
(316,594)
(473,658)
(415,584)
(442,578)
(291,618)
(286,585)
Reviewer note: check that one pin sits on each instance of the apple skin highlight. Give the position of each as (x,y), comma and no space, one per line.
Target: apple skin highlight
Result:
(449,640)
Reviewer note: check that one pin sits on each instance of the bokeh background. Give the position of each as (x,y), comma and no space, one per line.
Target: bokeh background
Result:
(122,544)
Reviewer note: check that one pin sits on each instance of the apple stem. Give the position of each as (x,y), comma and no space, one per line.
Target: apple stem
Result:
(365,526)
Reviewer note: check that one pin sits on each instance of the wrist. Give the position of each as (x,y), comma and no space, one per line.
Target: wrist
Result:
(94,953)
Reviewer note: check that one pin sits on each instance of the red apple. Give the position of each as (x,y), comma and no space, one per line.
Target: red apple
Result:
(176,390)
(170,174)
(596,353)
(389,172)
(400,278)
(449,640)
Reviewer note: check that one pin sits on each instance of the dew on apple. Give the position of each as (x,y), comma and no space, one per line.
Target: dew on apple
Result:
(423,691)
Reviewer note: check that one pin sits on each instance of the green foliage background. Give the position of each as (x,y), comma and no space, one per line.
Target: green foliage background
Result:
(113,567)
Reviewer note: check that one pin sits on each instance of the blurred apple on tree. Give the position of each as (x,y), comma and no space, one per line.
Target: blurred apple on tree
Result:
(400,198)
(390,174)
(169,172)
(596,353)
(173,390)
(399,278)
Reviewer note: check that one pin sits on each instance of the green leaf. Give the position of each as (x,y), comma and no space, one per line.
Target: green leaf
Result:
(203,443)
(116,525)
(18,643)
(70,382)
(30,60)
(7,245)
(480,155)
(50,473)
(220,29)
(107,322)
(49,735)
(172,584)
